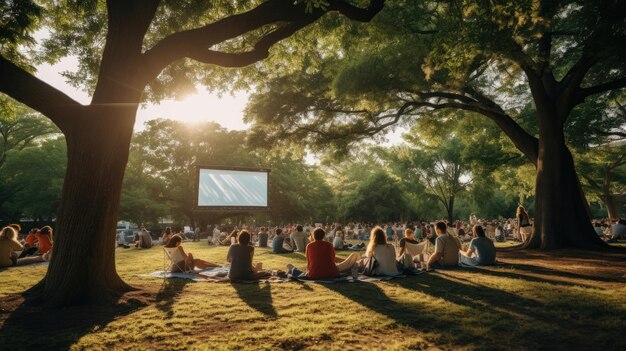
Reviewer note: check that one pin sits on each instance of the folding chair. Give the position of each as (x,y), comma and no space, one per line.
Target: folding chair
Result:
(417,250)
(175,258)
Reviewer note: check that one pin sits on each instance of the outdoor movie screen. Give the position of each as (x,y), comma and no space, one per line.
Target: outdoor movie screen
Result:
(232,188)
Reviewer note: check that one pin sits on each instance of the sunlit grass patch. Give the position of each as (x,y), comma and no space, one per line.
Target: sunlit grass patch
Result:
(526,303)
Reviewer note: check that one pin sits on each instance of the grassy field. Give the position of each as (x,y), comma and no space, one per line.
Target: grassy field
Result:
(562,300)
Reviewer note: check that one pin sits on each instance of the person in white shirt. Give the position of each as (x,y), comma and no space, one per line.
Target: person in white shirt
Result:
(473,220)
(385,254)
(618,230)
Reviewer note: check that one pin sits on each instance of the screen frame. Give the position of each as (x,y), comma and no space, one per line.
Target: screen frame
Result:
(224,208)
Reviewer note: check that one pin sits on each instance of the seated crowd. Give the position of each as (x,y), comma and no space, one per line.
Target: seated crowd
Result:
(36,247)
(439,249)
(392,249)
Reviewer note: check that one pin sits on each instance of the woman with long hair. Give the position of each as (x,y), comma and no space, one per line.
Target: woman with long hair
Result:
(167,235)
(8,246)
(182,261)
(44,239)
(384,253)
(524,228)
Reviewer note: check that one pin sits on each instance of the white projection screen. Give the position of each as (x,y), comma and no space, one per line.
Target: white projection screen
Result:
(234,188)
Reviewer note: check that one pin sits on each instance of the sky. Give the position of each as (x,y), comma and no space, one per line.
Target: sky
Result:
(201,106)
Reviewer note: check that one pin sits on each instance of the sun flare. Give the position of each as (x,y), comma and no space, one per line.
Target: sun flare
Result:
(202,106)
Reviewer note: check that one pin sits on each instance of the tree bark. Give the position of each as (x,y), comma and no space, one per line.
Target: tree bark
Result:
(612,206)
(82,268)
(561,212)
(450,209)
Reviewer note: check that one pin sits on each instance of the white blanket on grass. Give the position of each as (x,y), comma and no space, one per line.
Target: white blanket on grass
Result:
(220,274)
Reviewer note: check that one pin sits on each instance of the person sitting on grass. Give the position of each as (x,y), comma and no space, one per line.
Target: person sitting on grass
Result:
(321,260)
(143,239)
(481,251)
(278,242)
(30,244)
(618,231)
(182,261)
(409,237)
(167,235)
(240,256)
(446,248)
(384,253)
(230,239)
(263,235)
(338,241)
(298,237)
(8,246)
(44,239)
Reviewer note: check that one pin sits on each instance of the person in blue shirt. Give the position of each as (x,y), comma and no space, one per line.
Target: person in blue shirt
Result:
(481,251)
(389,231)
(278,241)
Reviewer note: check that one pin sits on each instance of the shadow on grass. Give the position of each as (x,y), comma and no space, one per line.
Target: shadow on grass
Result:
(34,327)
(469,308)
(528,268)
(257,296)
(170,290)
(537,279)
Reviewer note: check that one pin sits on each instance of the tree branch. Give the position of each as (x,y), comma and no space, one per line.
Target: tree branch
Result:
(35,93)
(619,83)
(261,48)
(195,43)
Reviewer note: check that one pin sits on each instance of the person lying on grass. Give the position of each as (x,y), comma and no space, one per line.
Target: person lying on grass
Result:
(183,262)
(321,260)
(481,251)
(8,247)
(240,256)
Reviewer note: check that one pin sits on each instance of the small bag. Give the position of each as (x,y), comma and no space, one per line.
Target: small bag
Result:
(370,266)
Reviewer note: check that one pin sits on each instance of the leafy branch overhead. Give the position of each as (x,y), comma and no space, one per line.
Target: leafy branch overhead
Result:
(154,41)
(485,58)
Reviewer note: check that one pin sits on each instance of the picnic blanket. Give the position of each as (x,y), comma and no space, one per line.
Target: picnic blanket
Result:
(219,274)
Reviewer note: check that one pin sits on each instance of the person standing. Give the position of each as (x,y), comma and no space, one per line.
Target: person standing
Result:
(524,228)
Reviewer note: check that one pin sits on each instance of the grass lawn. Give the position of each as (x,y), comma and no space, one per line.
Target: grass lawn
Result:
(565,300)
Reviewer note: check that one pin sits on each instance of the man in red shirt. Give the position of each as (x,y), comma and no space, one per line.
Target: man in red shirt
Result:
(321,260)
(30,244)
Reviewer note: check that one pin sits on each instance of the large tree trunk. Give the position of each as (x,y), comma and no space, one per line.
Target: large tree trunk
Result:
(561,212)
(82,268)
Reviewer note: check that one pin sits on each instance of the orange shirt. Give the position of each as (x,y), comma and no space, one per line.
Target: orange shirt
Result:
(320,257)
(30,240)
(45,243)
